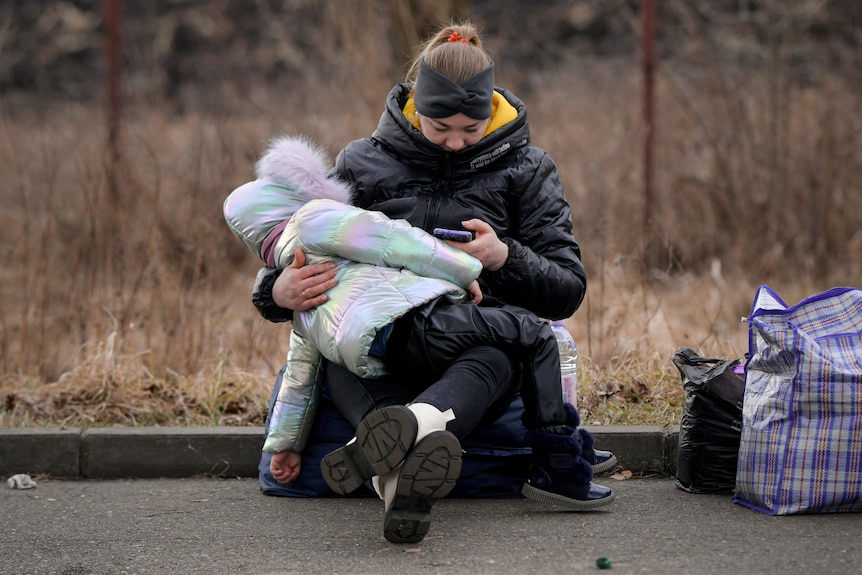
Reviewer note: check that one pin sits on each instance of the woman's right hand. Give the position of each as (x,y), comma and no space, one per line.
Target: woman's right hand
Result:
(301,287)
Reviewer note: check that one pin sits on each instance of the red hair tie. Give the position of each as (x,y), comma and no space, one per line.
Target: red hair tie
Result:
(456,37)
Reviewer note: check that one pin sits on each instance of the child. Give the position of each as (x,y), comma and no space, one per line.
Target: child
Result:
(391,277)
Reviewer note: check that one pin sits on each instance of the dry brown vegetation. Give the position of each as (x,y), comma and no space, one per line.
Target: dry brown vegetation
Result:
(125,299)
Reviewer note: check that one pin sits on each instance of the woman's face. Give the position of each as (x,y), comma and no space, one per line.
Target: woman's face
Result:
(453,133)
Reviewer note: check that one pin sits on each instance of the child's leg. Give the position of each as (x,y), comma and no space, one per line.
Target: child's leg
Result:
(478,385)
(440,331)
(355,397)
(433,336)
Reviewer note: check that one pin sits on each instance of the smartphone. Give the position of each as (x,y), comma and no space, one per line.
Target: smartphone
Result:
(454,235)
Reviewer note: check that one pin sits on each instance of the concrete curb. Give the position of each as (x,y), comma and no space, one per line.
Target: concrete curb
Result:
(152,452)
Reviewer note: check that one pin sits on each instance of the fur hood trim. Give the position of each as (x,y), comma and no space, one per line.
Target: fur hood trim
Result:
(299,163)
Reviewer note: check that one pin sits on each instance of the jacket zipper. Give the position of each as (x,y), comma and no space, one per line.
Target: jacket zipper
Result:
(440,186)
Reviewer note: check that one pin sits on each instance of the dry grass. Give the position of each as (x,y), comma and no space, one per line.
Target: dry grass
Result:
(111,389)
(125,297)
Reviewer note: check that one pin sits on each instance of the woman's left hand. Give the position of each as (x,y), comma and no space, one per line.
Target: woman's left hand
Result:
(487,247)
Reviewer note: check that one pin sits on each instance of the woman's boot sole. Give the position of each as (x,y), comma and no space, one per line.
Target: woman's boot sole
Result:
(534,494)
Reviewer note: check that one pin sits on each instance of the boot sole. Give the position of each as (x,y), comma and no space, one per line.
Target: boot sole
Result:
(429,473)
(606,465)
(534,494)
(383,439)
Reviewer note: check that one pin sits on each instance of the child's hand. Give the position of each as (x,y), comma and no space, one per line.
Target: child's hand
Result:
(475,292)
(285,466)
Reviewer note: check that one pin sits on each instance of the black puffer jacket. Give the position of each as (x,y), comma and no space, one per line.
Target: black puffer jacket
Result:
(502,180)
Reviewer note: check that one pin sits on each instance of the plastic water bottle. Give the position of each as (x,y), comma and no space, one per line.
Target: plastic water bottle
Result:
(568,362)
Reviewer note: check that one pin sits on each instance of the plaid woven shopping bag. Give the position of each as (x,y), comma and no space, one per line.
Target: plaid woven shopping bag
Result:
(801,444)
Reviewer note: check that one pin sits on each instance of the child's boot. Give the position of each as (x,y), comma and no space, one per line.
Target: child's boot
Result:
(429,418)
(429,473)
(383,439)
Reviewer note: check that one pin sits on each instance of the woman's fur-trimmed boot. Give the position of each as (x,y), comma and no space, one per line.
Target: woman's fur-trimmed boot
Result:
(601,460)
(560,475)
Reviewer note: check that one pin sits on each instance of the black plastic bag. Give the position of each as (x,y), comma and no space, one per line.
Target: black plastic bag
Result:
(711,426)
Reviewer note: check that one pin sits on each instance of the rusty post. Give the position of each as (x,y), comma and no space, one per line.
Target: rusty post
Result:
(112,57)
(648,9)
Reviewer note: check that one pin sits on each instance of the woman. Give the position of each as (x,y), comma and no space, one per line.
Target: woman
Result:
(453,151)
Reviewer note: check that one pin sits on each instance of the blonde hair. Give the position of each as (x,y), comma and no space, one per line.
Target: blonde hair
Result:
(459,61)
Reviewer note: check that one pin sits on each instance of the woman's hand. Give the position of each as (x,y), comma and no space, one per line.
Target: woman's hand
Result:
(301,287)
(285,466)
(487,247)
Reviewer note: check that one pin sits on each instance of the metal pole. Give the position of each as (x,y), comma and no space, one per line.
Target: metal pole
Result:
(648,40)
(112,57)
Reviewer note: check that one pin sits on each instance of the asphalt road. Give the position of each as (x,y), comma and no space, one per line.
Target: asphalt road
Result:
(214,526)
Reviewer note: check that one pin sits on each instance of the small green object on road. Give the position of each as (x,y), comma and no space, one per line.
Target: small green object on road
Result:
(603,563)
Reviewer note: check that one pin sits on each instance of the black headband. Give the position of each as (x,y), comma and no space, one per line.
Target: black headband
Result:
(436,96)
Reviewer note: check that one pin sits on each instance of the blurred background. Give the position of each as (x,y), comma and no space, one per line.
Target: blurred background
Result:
(730,160)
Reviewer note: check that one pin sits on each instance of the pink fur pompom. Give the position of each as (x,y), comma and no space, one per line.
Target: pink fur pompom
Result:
(301,164)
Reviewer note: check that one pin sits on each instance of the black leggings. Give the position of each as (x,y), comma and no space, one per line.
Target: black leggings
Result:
(478,387)
(470,358)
